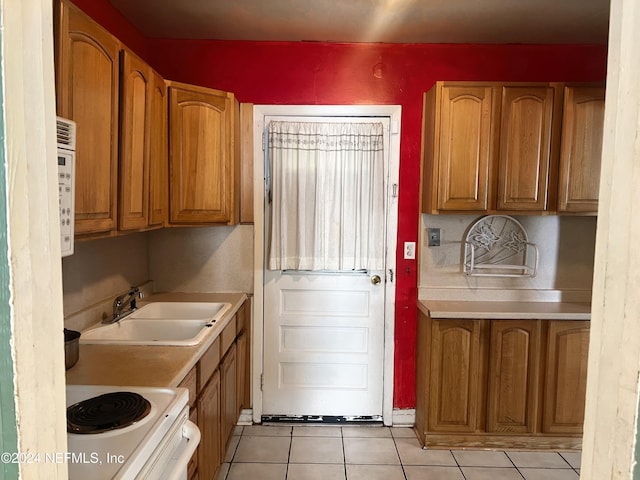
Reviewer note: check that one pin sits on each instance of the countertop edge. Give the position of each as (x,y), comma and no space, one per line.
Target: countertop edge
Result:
(505,310)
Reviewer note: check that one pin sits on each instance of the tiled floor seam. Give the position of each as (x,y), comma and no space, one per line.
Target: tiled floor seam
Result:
(344,455)
(572,467)
(286,471)
(458,465)
(515,466)
(395,444)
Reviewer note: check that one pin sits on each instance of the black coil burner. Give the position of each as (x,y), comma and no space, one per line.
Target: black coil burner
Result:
(107,412)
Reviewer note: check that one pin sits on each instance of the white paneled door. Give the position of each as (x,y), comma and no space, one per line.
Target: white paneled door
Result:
(324,336)
(324,344)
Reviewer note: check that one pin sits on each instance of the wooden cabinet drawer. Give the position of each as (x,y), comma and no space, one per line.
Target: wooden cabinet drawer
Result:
(208,364)
(228,335)
(189,382)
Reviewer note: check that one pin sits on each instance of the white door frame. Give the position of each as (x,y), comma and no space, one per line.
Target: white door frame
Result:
(259,112)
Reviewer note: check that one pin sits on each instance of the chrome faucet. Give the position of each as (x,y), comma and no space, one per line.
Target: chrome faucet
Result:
(121,303)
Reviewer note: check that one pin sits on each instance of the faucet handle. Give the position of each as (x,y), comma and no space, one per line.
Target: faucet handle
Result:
(135,293)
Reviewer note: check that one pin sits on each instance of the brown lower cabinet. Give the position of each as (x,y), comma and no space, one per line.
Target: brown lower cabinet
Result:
(229,410)
(209,450)
(213,385)
(501,383)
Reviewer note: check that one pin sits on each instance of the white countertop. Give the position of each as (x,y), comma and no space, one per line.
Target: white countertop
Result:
(506,310)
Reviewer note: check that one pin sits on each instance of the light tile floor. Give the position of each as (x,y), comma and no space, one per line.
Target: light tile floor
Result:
(376,453)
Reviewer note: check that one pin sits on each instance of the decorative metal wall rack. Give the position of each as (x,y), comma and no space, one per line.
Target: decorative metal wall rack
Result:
(498,246)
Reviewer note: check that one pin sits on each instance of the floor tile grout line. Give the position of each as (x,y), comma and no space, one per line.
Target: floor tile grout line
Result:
(574,468)
(458,464)
(514,465)
(286,471)
(344,454)
(404,472)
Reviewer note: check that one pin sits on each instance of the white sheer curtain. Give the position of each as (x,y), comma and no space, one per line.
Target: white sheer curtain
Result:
(327,191)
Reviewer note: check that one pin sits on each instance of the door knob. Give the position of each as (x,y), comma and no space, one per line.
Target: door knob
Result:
(375,279)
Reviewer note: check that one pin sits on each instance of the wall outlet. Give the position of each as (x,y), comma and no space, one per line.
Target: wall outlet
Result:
(409,250)
(434,237)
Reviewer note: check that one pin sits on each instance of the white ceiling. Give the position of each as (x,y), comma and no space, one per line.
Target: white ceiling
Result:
(393,21)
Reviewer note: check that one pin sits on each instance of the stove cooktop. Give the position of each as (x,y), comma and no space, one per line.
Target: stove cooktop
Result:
(121,452)
(106,412)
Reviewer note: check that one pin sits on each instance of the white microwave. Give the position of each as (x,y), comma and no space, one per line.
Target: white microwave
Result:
(66,139)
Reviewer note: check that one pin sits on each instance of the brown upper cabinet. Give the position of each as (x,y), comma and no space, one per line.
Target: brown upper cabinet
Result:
(458,143)
(581,150)
(203,155)
(495,147)
(143,168)
(87,81)
(128,138)
(529,125)
(135,118)
(158,154)
(246,163)
(121,164)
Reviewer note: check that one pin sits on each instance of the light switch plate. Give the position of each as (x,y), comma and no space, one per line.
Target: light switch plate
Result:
(434,237)
(409,250)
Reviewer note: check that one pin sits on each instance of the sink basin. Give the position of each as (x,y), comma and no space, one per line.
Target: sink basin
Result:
(161,323)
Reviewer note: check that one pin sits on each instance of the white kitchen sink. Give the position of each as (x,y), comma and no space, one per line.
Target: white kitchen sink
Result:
(161,323)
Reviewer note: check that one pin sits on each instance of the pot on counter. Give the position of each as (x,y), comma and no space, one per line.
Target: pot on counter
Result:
(71,348)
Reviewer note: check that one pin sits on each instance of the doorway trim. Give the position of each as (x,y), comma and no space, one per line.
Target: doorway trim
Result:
(259,112)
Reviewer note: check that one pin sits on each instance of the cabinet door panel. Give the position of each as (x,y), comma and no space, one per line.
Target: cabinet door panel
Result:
(158,155)
(209,449)
(455,373)
(525,147)
(465,148)
(88,93)
(228,374)
(246,163)
(581,149)
(566,377)
(246,312)
(241,373)
(134,146)
(513,376)
(200,156)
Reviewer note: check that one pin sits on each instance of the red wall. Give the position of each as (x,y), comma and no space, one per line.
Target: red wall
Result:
(329,73)
(320,73)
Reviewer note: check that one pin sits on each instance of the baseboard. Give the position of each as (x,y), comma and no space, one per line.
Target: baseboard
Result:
(500,441)
(246,417)
(405,417)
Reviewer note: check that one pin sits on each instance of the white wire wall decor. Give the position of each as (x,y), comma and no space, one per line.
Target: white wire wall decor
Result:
(498,246)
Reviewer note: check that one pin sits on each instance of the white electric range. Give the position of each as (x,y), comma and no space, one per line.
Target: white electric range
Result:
(156,446)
